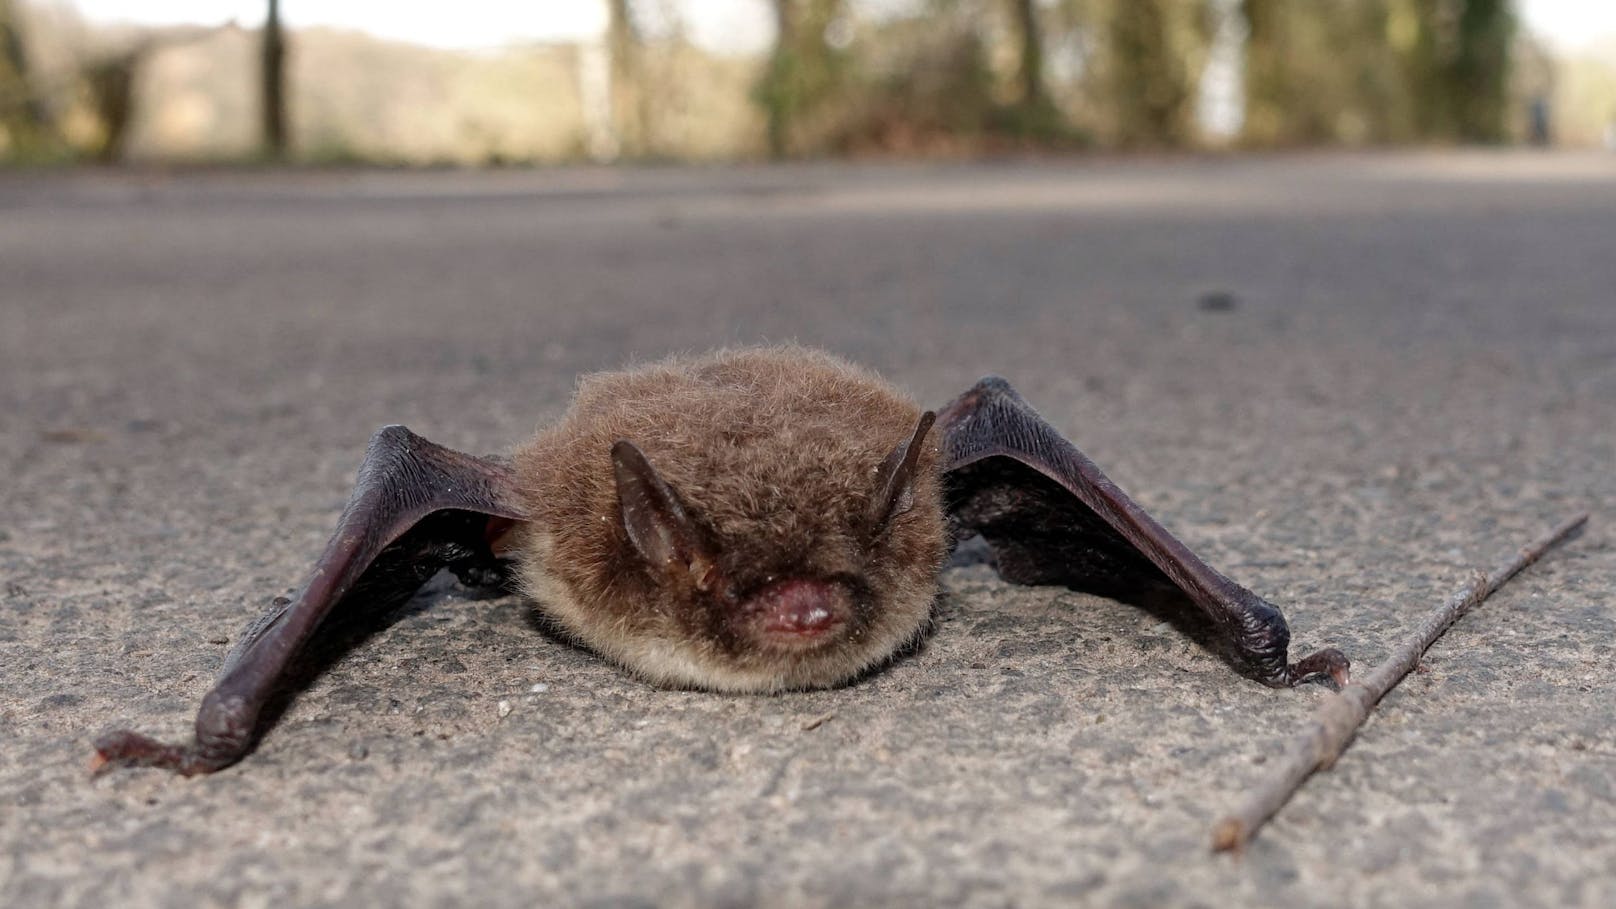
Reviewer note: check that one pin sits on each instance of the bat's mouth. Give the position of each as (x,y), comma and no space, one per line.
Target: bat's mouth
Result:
(797,614)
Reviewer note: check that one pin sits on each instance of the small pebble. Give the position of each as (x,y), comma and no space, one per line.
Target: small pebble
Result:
(504,709)
(539,688)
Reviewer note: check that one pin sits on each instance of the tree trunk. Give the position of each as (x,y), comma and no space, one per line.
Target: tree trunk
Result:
(274,84)
(1034,95)
(1479,75)
(630,93)
(1267,76)
(776,89)
(112,89)
(30,121)
(1153,79)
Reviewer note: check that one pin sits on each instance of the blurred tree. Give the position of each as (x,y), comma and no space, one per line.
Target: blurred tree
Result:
(804,71)
(1034,114)
(273,82)
(25,119)
(1377,71)
(774,91)
(1032,93)
(1152,52)
(1324,73)
(111,82)
(1478,74)
(916,84)
(631,98)
(112,77)
(1457,63)
(1271,88)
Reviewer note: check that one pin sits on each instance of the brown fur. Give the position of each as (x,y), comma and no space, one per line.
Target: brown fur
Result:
(774,453)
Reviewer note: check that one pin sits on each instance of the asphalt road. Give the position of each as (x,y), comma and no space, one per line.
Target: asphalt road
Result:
(1346,380)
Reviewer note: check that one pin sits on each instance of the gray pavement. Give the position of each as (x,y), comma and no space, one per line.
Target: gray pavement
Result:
(1408,366)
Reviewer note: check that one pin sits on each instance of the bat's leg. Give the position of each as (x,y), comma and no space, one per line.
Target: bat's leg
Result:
(1052,517)
(417,508)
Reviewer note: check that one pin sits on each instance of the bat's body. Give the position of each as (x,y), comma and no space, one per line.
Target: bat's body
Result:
(754,520)
(777,452)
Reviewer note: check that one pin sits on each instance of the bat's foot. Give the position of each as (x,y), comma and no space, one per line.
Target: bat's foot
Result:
(131,749)
(1329,664)
(482,573)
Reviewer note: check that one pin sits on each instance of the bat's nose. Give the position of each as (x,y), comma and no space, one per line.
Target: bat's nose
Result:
(800,612)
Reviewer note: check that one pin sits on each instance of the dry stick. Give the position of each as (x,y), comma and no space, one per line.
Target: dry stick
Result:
(1340,715)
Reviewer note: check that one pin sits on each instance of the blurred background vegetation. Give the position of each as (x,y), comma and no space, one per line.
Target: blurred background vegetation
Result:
(831,78)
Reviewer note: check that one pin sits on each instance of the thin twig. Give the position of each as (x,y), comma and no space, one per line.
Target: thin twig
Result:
(1340,715)
(818,721)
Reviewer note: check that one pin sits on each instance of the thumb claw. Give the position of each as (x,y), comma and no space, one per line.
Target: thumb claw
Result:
(126,748)
(1329,663)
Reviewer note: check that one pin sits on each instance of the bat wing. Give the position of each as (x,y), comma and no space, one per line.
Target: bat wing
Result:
(416,508)
(1052,517)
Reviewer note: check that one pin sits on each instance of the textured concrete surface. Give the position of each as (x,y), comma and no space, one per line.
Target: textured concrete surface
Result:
(1345,379)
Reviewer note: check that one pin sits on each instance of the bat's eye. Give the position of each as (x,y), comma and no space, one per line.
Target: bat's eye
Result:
(894,479)
(708,577)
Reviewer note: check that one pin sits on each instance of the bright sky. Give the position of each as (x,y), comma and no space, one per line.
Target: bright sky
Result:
(729,25)
(1571,23)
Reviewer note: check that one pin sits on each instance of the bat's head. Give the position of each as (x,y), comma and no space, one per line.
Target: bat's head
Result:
(784,539)
(798,589)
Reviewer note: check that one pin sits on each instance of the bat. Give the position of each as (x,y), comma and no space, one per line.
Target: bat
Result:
(752,520)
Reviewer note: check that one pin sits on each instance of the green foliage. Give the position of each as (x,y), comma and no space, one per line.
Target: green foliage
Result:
(1324,73)
(926,77)
(1377,71)
(27,130)
(805,73)
(1155,50)
(936,82)
(1476,74)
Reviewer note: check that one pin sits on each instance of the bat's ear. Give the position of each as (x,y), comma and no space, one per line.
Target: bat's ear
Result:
(657,524)
(894,479)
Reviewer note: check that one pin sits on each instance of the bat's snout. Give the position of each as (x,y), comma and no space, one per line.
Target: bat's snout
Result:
(798,613)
